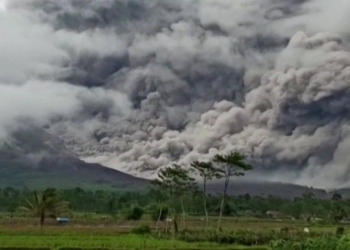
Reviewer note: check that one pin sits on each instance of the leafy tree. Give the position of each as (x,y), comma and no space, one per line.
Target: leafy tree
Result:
(229,165)
(293,209)
(135,213)
(207,172)
(176,181)
(112,206)
(46,204)
(190,188)
(338,212)
(159,196)
(309,206)
(228,209)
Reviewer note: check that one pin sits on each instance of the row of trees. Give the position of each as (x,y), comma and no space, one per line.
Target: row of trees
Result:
(177,182)
(133,205)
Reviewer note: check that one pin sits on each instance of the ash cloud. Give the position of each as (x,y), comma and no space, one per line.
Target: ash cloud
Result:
(137,85)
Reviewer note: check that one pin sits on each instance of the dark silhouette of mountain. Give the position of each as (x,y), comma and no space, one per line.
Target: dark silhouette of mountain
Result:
(36,159)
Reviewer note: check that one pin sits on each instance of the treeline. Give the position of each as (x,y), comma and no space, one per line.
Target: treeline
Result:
(106,202)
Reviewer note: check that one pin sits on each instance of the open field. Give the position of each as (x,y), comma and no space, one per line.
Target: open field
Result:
(96,231)
(111,221)
(55,240)
(90,221)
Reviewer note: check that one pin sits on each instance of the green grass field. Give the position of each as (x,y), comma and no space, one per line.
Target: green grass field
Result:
(127,241)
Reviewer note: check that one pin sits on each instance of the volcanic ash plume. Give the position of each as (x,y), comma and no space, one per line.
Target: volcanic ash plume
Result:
(138,85)
(295,120)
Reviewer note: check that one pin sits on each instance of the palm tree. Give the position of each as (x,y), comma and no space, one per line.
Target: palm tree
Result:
(46,204)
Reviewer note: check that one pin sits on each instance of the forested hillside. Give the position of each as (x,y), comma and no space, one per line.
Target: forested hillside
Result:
(106,202)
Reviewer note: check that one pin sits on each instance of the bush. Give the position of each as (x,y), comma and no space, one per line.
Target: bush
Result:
(251,238)
(319,243)
(163,211)
(344,243)
(340,231)
(135,213)
(141,230)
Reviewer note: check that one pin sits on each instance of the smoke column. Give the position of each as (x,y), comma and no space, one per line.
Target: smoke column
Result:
(137,85)
(3,5)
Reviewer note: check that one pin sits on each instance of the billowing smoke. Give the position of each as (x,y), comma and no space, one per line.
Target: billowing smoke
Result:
(136,85)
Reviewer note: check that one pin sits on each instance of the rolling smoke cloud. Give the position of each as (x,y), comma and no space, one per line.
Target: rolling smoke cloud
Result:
(136,85)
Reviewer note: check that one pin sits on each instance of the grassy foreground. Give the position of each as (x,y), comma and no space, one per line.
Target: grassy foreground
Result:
(94,232)
(55,238)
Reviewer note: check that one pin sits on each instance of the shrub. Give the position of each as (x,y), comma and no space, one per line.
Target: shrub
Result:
(340,231)
(141,230)
(324,243)
(344,243)
(251,238)
(135,213)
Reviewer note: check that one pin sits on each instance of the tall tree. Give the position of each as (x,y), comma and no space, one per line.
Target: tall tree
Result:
(232,164)
(189,187)
(338,212)
(46,204)
(207,172)
(160,196)
(176,181)
(111,206)
(309,205)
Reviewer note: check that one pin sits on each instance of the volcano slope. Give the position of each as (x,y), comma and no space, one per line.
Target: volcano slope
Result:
(35,159)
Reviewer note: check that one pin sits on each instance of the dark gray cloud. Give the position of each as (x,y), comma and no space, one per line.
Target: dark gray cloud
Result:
(136,85)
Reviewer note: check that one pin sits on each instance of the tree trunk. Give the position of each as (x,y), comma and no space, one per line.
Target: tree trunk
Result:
(205,202)
(183,215)
(166,225)
(223,201)
(42,219)
(159,216)
(176,228)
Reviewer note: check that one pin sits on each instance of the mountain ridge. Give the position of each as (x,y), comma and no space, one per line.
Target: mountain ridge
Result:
(34,159)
